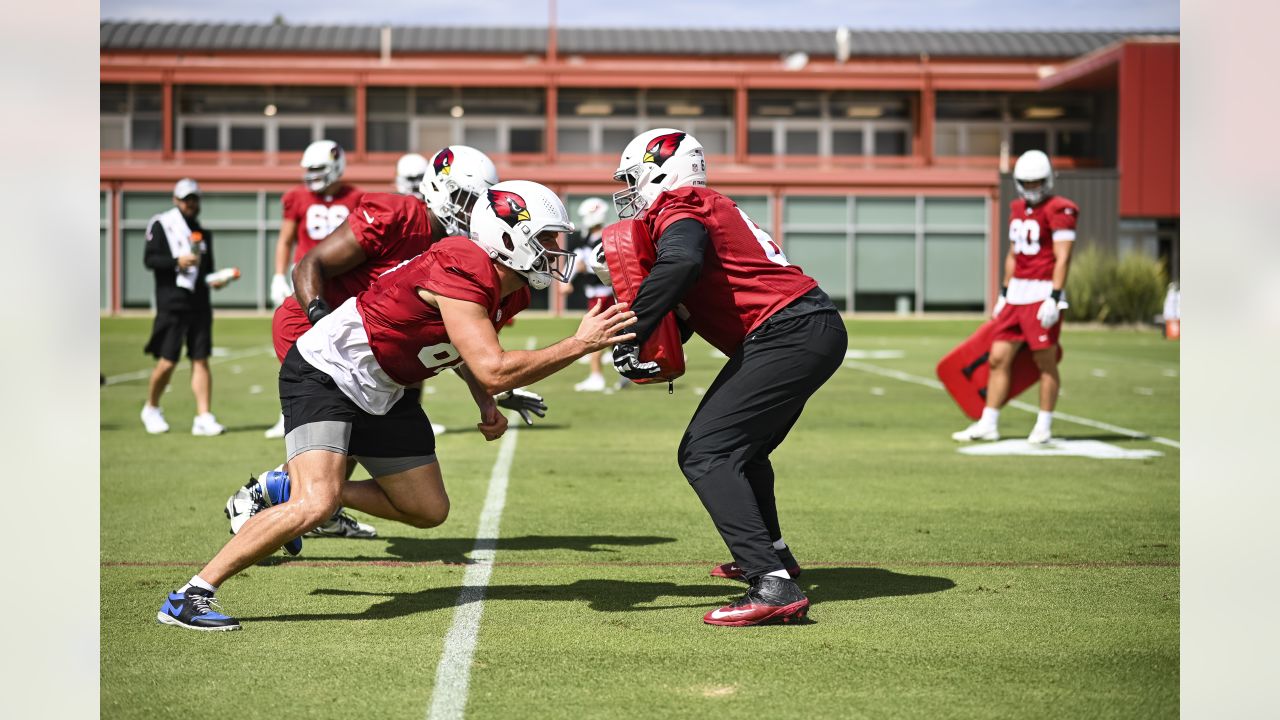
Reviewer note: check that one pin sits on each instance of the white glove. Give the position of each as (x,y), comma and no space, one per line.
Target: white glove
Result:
(1000,303)
(1049,312)
(279,289)
(597,264)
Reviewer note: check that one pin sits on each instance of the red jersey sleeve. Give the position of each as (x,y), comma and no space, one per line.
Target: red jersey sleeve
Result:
(383,222)
(459,269)
(294,204)
(1062,219)
(679,204)
(515,302)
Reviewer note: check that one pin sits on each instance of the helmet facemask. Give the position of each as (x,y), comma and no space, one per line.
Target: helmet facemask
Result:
(319,177)
(629,202)
(1033,196)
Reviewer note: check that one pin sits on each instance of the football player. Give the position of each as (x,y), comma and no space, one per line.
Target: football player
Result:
(411,170)
(312,210)
(344,384)
(783,337)
(385,230)
(1042,231)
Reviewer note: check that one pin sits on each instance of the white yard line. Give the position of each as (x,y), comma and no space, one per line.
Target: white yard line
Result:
(453,673)
(931,383)
(144,374)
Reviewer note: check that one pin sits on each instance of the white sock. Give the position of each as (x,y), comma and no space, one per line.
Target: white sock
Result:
(1044,419)
(990,416)
(782,574)
(779,544)
(196,581)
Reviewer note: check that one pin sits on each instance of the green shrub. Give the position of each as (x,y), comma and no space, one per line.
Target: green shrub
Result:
(1104,288)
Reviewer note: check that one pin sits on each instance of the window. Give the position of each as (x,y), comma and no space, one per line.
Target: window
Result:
(573,140)
(130,117)
(526,140)
(200,137)
(388,136)
(259,118)
(293,138)
(829,123)
(891,254)
(982,124)
(248,138)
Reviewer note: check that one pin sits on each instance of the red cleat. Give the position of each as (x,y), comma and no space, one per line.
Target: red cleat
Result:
(769,600)
(731,571)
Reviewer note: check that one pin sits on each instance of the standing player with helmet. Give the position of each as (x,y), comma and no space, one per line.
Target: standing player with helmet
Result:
(782,334)
(343,383)
(311,211)
(1042,231)
(592,212)
(411,170)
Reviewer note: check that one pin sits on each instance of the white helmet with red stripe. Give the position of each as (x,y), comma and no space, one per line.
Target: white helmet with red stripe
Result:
(654,162)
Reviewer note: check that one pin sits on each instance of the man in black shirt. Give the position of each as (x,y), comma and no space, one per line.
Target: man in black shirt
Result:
(180,253)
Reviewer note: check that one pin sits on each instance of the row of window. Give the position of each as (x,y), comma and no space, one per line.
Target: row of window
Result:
(512,120)
(868,253)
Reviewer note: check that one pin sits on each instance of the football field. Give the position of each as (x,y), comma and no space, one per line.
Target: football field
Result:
(943,584)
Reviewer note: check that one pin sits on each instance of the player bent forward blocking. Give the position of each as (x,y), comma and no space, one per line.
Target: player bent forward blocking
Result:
(342,386)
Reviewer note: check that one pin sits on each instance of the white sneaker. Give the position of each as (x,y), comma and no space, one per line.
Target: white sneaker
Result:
(206,425)
(438,429)
(153,420)
(593,383)
(977,431)
(275,431)
(1040,436)
(344,526)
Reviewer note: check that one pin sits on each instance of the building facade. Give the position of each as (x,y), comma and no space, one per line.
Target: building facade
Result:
(878,159)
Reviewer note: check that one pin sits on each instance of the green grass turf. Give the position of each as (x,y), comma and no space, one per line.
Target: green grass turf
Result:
(943,585)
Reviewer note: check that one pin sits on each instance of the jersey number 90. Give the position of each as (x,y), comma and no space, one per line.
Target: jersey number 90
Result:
(1025,236)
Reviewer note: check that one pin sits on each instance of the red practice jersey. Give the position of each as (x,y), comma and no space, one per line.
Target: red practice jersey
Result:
(407,336)
(745,277)
(1032,231)
(317,215)
(390,229)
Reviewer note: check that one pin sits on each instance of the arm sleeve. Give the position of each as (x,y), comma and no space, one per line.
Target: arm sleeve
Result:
(1063,222)
(157,255)
(290,208)
(680,250)
(382,222)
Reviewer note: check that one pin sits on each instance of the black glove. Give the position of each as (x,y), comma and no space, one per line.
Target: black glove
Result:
(626,360)
(317,309)
(523,402)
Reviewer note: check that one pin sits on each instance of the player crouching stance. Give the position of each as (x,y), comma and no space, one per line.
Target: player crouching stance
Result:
(784,339)
(342,386)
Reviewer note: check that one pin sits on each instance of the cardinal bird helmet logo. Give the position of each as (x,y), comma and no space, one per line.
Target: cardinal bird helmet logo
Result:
(509,207)
(443,161)
(661,148)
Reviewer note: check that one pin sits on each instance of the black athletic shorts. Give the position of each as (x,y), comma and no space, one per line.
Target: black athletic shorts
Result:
(171,328)
(318,415)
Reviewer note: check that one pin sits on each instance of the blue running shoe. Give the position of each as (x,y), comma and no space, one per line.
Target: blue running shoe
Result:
(271,488)
(195,609)
(275,490)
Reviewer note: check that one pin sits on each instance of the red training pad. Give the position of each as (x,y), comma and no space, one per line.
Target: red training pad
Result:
(630,253)
(964,371)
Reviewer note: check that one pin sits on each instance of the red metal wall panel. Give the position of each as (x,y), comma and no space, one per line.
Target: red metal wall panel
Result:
(1147,155)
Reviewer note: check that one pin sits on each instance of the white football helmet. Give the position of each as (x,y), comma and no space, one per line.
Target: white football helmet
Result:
(654,162)
(411,170)
(593,212)
(507,221)
(459,175)
(1033,165)
(322,164)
